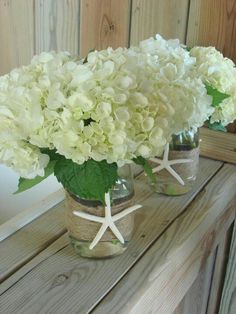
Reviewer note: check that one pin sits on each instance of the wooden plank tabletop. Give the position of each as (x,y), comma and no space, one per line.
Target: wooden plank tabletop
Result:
(42,274)
(174,262)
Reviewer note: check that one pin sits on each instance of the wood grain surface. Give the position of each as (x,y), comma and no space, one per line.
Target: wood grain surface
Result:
(27,215)
(16,34)
(204,295)
(218,277)
(103,23)
(218,145)
(64,278)
(57,25)
(54,247)
(171,266)
(228,301)
(196,299)
(23,245)
(166,17)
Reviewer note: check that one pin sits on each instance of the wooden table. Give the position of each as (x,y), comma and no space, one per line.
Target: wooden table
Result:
(175,263)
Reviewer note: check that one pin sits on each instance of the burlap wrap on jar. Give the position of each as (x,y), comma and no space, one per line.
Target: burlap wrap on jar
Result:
(167,184)
(83,231)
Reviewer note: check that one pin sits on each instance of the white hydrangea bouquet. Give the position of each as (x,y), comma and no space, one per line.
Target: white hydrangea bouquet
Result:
(207,73)
(219,76)
(81,118)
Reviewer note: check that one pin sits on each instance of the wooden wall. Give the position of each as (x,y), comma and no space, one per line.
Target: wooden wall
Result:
(28,27)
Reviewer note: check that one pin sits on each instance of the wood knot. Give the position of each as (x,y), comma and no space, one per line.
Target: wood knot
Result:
(112,27)
(107,25)
(59,280)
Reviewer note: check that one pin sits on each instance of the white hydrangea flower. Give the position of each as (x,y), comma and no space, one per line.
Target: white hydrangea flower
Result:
(23,158)
(119,105)
(220,73)
(181,97)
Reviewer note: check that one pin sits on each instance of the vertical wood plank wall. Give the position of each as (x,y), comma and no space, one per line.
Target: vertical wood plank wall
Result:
(166,17)
(28,27)
(56,25)
(104,23)
(16,33)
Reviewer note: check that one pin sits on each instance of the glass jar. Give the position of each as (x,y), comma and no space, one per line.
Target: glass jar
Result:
(184,145)
(82,231)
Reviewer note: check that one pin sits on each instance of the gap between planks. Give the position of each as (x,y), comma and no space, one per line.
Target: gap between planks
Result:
(53,248)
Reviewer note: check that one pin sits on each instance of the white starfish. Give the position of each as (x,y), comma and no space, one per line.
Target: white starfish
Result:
(166,164)
(107,221)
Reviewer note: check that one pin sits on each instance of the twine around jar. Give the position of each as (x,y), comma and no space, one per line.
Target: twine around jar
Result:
(85,230)
(185,170)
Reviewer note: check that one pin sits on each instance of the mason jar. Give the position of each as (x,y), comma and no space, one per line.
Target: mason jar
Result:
(82,231)
(184,146)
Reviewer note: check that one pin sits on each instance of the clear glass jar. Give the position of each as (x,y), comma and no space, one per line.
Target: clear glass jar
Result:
(184,145)
(82,231)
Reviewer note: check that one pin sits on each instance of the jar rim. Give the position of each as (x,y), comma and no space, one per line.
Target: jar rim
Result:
(95,203)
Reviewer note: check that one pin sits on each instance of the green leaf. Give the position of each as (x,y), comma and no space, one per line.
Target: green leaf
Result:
(88,121)
(217,96)
(86,59)
(51,153)
(91,180)
(216,126)
(187,48)
(25,184)
(146,167)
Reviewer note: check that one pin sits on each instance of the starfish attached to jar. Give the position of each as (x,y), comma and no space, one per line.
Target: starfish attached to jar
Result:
(108,221)
(165,163)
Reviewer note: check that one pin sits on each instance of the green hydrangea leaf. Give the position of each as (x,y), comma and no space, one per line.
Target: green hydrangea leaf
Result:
(91,180)
(25,184)
(52,153)
(86,59)
(146,167)
(216,126)
(217,96)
